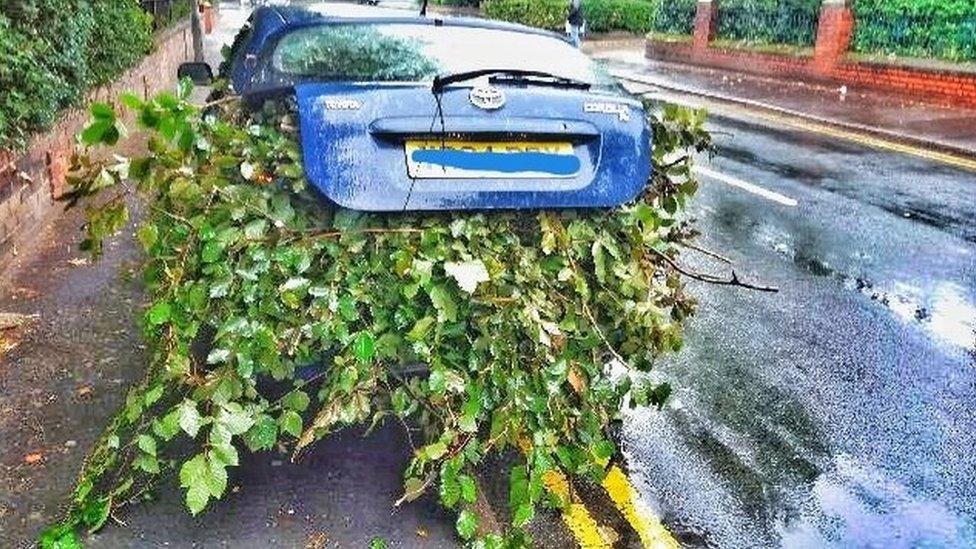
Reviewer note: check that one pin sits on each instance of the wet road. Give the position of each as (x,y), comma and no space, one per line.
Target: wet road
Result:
(838,412)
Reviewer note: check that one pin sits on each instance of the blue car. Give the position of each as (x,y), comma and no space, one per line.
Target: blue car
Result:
(400,111)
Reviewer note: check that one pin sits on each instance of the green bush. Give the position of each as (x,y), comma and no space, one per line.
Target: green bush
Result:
(53,51)
(545,14)
(916,28)
(633,16)
(674,16)
(30,91)
(636,16)
(111,53)
(769,21)
(462,3)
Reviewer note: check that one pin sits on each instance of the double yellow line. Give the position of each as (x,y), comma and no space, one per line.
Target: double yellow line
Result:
(590,534)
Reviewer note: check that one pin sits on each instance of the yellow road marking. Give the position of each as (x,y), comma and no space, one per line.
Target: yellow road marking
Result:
(875,142)
(652,533)
(577,518)
(589,534)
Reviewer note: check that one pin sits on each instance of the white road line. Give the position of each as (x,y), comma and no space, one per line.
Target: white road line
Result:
(745,186)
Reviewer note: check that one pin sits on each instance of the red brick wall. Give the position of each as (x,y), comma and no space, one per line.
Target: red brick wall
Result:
(30,180)
(729,58)
(828,62)
(956,88)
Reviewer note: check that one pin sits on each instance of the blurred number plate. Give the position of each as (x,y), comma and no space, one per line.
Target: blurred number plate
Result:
(429,159)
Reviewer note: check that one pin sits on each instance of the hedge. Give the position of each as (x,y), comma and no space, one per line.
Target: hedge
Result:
(546,14)
(636,16)
(460,3)
(916,28)
(791,22)
(675,16)
(53,51)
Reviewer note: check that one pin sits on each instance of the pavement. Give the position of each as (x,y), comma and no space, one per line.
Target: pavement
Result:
(894,116)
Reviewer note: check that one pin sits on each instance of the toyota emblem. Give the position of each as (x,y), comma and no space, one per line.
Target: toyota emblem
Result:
(488,98)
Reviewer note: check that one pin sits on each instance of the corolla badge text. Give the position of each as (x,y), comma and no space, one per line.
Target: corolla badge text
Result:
(341,104)
(621,110)
(488,98)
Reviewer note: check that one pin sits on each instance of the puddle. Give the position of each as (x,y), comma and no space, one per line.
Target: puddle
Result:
(942,308)
(857,506)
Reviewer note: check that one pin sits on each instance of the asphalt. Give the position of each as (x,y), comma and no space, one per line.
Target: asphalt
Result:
(838,411)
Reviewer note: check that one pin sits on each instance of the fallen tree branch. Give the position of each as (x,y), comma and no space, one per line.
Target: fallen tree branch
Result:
(379,230)
(709,253)
(712,279)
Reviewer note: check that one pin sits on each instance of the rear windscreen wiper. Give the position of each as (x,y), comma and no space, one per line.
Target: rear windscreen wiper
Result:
(517,76)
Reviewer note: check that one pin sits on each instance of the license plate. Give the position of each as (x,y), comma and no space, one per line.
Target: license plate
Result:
(430,159)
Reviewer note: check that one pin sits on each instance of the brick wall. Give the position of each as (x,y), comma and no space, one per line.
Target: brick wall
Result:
(828,61)
(31,180)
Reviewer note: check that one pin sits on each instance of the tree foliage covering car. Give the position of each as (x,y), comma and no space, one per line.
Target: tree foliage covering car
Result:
(499,329)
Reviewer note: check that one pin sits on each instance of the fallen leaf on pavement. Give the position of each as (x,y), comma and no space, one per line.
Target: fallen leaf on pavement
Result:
(316,541)
(23,292)
(15,320)
(84,390)
(422,532)
(33,458)
(78,261)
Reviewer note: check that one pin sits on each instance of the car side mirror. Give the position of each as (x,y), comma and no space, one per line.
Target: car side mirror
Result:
(200,73)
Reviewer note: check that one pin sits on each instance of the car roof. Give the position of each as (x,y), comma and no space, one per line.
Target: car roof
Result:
(288,17)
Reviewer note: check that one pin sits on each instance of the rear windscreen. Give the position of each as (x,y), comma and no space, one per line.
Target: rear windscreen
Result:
(410,52)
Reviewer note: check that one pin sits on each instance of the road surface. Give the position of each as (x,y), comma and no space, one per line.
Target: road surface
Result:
(839,411)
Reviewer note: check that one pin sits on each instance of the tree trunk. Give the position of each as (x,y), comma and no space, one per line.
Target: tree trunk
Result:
(196,28)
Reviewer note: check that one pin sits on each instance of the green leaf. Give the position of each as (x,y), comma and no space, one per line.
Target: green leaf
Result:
(437,381)
(94,132)
(159,313)
(256,229)
(194,476)
(236,420)
(153,395)
(202,479)
(348,378)
(131,100)
(167,426)
(147,444)
(147,463)
(95,513)
(190,420)
(225,454)
(435,451)
(467,524)
(413,488)
(421,328)
(364,347)
(523,514)
(60,536)
(296,400)
(468,488)
(291,423)
(442,300)
(102,111)
(263,434)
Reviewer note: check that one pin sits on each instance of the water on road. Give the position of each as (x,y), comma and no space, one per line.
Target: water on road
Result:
(839,411)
